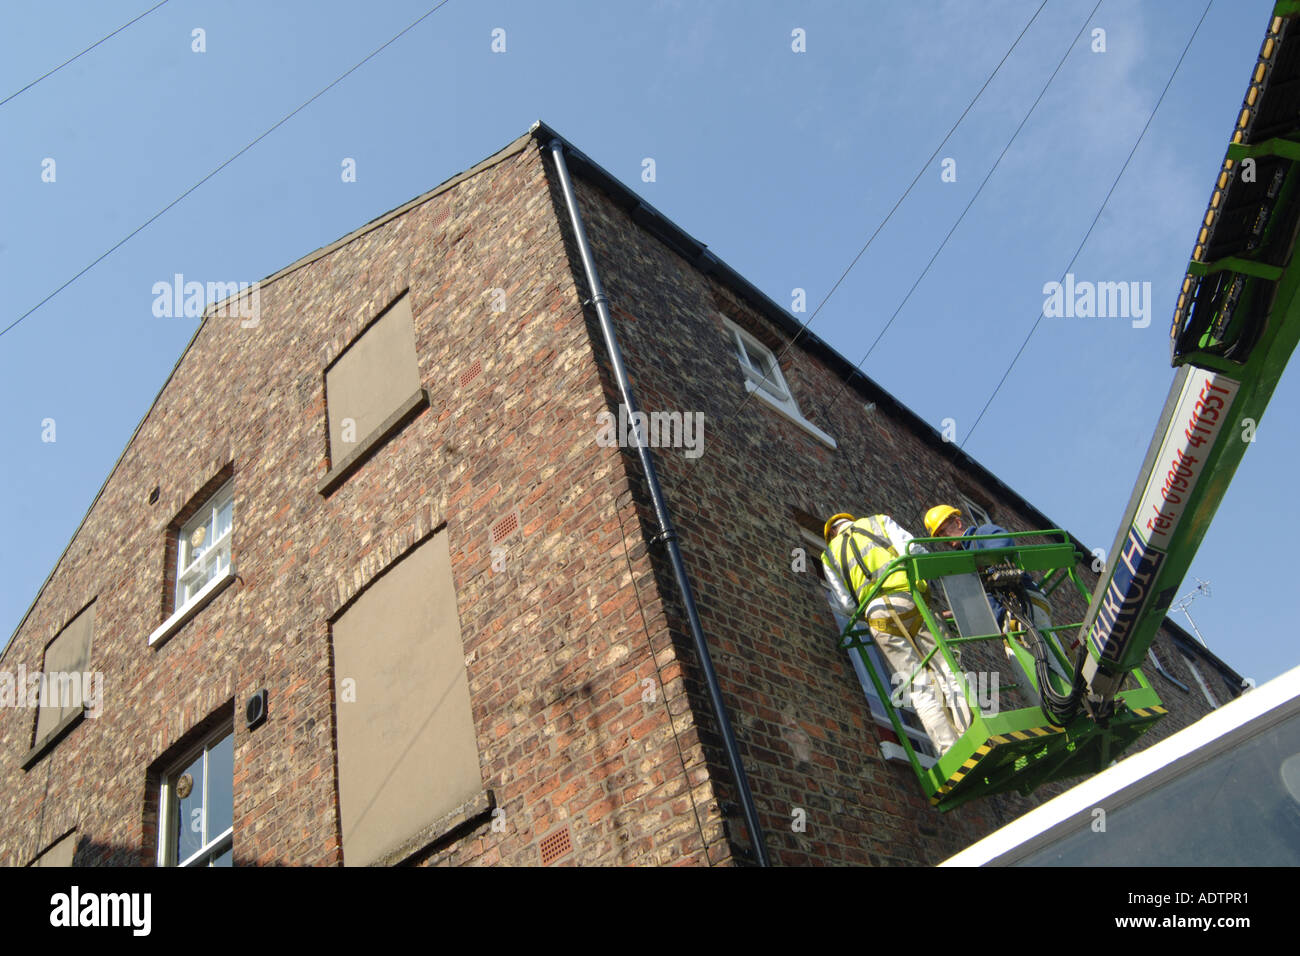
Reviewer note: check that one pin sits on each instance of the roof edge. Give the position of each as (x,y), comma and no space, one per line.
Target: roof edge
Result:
(513,148)
(698,254)
(676,238)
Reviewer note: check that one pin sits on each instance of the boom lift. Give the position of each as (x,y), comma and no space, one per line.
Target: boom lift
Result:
(1235,326)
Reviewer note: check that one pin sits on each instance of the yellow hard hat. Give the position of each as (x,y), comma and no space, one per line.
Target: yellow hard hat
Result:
(936,516)
(830,523)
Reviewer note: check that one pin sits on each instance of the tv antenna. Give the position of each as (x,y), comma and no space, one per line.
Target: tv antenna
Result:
(1184,602)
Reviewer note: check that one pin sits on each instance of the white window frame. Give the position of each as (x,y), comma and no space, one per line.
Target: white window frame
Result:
(1160,669)
(1205,688)
(921,742)
(766,375)
(767,382)
(213,846)
(201,569)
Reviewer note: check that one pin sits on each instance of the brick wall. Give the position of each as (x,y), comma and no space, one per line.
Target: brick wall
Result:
(578,703)
(593,728)
(806,735)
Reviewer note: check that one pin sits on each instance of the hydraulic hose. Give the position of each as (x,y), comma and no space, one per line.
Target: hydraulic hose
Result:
(1058,707)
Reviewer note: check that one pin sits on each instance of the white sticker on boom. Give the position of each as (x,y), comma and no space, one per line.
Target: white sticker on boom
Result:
(1198,419)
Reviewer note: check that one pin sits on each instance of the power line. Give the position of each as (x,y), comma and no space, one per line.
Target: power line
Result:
(82,53)
(984,182)
(917,178)
(288,116)
(1095,220)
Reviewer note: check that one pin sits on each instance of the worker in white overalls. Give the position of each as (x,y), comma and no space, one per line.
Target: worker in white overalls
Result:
(855,551)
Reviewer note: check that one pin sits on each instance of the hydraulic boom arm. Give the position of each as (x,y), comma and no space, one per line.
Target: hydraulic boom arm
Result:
(1235,326)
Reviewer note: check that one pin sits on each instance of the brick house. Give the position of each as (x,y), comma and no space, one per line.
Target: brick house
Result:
(366,586)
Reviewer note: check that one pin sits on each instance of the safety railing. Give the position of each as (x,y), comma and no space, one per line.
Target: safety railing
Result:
(1058,557)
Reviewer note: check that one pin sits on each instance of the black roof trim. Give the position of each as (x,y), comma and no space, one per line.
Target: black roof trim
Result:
(1191,645)
(699,255)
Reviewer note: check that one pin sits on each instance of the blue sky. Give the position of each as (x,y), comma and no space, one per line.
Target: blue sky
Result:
(782,162)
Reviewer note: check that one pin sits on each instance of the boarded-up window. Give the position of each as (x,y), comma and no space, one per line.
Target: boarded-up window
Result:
(59,853)
(66,664)
(371,380)
(408,754)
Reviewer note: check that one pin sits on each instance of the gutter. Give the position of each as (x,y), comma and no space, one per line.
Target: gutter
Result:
(666,536)
(701,257)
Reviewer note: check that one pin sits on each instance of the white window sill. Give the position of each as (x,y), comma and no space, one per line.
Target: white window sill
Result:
(197,603)
(798,419)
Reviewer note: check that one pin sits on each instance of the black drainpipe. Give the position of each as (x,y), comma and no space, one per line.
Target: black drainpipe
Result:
(666,535)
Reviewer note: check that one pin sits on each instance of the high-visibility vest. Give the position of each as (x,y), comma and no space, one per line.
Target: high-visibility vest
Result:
(864,543)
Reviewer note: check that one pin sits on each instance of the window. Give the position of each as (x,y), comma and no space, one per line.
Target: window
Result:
(763,377)
(408,758)
(1160,669)
(196,822)
(203,547)
(199,556)
(906,716)
(1205,688)
(760,366)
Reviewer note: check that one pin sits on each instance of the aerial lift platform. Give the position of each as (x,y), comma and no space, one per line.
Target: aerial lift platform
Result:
(1235,327)
(1019,749)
